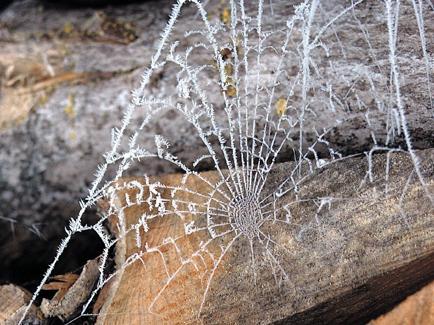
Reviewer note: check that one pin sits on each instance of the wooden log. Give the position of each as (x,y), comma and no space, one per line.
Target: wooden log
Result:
(418,309)
(65,76)
(60,87)
(367,252)
(68,67)
(13,302)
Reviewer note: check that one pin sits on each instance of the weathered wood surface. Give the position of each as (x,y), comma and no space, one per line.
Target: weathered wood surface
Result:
(72,291)
(370,254)
(13,302)
(65,77)
(418,309)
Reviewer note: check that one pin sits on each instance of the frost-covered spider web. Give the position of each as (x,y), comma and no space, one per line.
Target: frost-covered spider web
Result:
(256,84)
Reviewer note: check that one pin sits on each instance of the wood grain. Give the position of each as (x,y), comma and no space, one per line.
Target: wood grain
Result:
(13,302)
(368,254)
(418,309)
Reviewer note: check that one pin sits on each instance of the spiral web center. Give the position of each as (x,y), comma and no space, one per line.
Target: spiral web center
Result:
(245,215)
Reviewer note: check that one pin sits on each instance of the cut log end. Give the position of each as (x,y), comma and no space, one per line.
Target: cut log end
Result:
(366,258)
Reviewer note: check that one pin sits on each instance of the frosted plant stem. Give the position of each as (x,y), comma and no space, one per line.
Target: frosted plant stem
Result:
(270,101)
(220,63)
(258,67)
(305,70)
(417,5)
(242,148)
(392,28)
(247,103)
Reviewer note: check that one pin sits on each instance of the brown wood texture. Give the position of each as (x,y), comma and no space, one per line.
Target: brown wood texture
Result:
(65,76)
(371,253)
(418,309)
(13,302)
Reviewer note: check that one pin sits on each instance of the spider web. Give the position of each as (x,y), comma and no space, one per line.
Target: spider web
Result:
(258,85)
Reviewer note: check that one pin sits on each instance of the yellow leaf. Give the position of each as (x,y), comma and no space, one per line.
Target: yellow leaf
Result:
(231,91)
(225,16)
(72,135)
(68,28)
(281,106)
(228,70)
(69,108)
